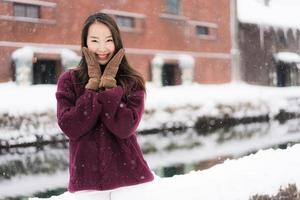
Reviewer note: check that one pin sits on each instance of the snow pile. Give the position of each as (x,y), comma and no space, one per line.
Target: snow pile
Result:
(20,100)
(204,100)
(260,173)
(277,13)
(27,113)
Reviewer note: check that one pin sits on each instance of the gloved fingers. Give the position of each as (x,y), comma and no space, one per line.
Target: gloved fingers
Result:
(92,84)
(113,65)
(89,57)
(118,57)
(94,72)
(101,84)
(107,82)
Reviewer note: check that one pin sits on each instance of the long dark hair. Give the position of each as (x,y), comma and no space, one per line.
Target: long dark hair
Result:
(126,74)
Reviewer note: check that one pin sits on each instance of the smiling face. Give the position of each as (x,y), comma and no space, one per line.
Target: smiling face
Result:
(100,41)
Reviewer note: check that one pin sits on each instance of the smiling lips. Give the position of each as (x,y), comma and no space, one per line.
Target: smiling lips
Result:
(103,56)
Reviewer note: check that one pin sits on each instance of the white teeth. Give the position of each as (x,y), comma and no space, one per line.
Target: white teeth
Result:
(102,57)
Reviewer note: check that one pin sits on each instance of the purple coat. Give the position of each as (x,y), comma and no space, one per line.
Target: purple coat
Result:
(101,126)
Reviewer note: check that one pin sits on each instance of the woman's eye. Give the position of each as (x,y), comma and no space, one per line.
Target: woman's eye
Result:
(94,40)
(110,40)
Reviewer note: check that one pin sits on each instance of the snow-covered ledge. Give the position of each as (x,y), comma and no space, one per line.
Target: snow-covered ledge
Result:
(23,59)
(287,57)
(186,63)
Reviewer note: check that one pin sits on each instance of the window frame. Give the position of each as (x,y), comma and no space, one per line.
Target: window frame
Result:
(138,20)
(211,26)
(26,11)
(205,29)
(121,19)
(170,10)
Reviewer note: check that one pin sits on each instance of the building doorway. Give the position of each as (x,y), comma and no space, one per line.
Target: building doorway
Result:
(283,71)
(171,74)
(45,72)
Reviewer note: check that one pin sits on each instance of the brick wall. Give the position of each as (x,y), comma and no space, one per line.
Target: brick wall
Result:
(62,21)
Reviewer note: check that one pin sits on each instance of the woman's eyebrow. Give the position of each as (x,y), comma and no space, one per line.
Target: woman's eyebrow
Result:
(93,37)
(97,37)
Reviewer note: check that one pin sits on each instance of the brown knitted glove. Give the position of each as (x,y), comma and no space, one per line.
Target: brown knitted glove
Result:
(94,71)
(108,79)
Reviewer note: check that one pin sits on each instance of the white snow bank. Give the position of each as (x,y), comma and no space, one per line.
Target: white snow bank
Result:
(168,106)
(260,173)
(41,98)
(34,107)
(18,99)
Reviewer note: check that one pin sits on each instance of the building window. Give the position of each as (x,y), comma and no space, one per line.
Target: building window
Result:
(125,22)
(202,30)
(172,7)
(26,10)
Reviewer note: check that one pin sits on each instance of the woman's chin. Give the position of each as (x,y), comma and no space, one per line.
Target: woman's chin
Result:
(103,62)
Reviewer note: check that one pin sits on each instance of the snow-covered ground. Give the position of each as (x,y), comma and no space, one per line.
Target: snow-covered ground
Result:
(36,105)
(261,173)
(41,98)
(30,110)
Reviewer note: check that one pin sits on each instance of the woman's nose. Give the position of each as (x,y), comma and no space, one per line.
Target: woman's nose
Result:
(101,47)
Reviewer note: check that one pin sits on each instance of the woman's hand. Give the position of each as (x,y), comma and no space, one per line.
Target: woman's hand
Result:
(94,71)
(108,79)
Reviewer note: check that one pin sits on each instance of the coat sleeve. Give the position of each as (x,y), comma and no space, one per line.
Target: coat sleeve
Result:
(76,117)
(120,117)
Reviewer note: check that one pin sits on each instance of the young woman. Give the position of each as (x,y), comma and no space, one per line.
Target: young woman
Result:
(99,107)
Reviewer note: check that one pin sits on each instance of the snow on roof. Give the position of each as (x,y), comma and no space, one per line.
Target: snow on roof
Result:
(288,57)
(278,13)
(185,60)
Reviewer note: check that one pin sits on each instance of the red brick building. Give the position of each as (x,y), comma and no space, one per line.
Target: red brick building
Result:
(168,41)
